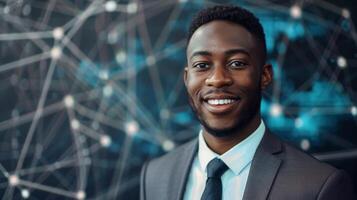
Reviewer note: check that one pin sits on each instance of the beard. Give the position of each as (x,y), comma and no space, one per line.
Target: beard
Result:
(247,114)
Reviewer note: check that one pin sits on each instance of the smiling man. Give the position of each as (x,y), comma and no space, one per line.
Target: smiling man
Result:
(235,156)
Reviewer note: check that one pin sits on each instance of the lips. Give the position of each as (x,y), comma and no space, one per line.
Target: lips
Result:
(220,104)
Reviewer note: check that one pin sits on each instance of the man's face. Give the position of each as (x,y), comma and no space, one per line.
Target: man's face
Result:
(224,77)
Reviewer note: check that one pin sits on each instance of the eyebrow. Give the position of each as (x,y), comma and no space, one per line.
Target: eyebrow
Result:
(228,53)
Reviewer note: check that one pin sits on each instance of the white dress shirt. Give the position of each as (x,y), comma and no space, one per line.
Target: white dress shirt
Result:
(238,159)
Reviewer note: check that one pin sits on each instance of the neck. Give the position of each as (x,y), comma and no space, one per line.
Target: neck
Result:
(220,145)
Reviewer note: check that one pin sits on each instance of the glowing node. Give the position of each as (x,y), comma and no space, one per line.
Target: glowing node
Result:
(75,124)
(14,180)
(275,110)
(150,60)
(346,13)
(58,33)
(26,10)
(168,145)
(68,101)
(295,12)
(298,123)
(95,125)
(131,127)
(165,114)
(112,37)
(80,194)
(107,90)
(182,1)
(6,9)
(305,144)
(354,110)
(105,140)
(25,193)
(104,74)
(56,52)
(85,152)
(120,57)
(132,7)
(110,6)
(342,62)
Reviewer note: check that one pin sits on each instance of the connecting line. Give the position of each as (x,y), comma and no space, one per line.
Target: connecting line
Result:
(50,167)
(24,61)
(15,121)
(38,114)
(49,189)
(25,35)
(338,155)
(79,155)
(80,20)
(3,170)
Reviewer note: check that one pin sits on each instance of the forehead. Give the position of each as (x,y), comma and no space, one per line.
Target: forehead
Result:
(219,36)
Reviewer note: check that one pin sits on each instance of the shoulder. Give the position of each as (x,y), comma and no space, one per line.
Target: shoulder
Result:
(309,177)
(173,156)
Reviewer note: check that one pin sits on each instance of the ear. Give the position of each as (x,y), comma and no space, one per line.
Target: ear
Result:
(185,76)
(267,76)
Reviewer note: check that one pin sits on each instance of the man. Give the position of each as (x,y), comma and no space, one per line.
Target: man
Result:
(235,156)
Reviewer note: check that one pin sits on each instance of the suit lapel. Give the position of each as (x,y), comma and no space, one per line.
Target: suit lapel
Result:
(264,168)
(182,170)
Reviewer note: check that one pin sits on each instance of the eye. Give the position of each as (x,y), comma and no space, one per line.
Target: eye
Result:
(237,64)
(201,65)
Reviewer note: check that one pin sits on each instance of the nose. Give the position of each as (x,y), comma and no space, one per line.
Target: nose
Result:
(220,77)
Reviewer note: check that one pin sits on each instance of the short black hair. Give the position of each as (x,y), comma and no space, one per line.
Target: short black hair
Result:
(235,14)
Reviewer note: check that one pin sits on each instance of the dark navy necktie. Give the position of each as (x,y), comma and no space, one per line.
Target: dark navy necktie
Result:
(213,189)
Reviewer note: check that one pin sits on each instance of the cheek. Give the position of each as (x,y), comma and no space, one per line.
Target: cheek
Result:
(194,85)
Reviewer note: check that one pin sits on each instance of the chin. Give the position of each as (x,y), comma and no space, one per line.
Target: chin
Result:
(220,131)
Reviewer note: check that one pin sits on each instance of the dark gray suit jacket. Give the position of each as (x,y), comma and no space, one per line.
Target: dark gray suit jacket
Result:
(278,172)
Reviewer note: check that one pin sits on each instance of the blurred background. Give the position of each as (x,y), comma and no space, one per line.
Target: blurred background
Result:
(91,89)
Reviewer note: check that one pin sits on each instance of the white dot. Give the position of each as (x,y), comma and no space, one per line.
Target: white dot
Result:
(112,37)
(80,195)
(58,33)
(346,13)
(354,110)
(305,144)
(150,60)
(108,90)
(25,193)
(165,114)
(68,101)
(56,52)
(342,62)
(110,6)
(275,110)
(132,7)
(105,140)
(104,74)
(75,124)
(6,9)
(168,145)
(13,180)
(295,12)
(26,10)
(120,57)
(95,125)
(131,127)
(299,123)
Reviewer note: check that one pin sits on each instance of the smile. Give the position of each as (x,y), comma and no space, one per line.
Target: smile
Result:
(221,106)
(220,101)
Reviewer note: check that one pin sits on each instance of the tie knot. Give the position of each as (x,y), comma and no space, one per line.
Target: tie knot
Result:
(216,168)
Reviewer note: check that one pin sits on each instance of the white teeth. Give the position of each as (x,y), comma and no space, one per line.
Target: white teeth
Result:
(220,101)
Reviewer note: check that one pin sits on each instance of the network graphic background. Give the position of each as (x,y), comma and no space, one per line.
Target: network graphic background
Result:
(90,90)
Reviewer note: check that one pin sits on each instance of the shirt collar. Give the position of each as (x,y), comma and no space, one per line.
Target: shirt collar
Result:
(238,157)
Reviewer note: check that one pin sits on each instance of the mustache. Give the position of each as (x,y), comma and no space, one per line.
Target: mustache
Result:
(219,91)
